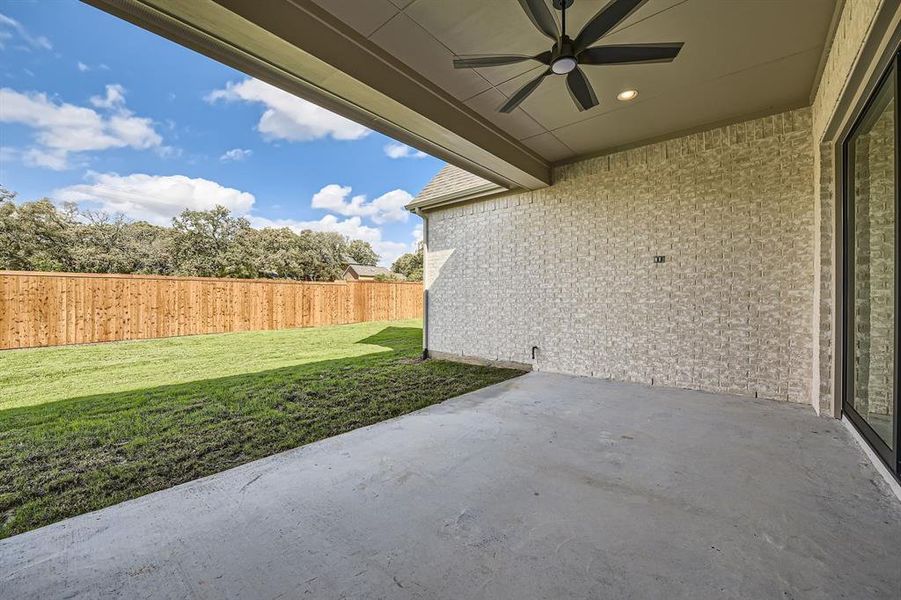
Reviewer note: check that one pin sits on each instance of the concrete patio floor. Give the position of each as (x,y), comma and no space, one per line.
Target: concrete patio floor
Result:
(544,486)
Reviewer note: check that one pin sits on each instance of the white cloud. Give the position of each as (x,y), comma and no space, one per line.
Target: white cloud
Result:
(9,25)
(53,160)
(114,98)
(387,207)
(389,251)
(235,154)
(398,150)
(8,154)
(352,228)
(158,198)
(154,198)
(62,128)
(84,68)
(168,152)
(288,117)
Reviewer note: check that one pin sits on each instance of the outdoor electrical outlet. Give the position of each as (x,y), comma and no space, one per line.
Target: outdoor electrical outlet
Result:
(659,259)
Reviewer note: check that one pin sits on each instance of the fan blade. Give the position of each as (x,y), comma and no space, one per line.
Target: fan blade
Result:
(522,93)
(630,54)
(474,62)
(580,89)
(607,18)
(538,13)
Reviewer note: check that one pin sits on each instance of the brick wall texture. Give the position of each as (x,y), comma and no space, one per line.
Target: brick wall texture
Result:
(570,268)
(854,27)
(746,217)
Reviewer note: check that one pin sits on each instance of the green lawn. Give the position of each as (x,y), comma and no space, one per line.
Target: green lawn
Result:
(84,427)
(41,375)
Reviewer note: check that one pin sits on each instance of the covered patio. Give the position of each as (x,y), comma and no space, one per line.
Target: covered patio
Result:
(696,255)
(544,486)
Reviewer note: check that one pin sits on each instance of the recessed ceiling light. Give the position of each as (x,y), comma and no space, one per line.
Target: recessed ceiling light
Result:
(627,95)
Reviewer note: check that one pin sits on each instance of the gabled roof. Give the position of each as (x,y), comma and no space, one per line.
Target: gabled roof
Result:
(452,184)
(370,271)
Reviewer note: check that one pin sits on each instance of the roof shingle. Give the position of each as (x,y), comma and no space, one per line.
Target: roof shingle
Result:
(370,271)
(452,182)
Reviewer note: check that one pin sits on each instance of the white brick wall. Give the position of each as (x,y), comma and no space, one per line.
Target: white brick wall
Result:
(570,268)
(854,27)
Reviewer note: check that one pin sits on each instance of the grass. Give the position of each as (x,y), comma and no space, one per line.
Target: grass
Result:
(41,375)
(85,427)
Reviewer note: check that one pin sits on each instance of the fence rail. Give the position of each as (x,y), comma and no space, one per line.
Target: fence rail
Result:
(53,309)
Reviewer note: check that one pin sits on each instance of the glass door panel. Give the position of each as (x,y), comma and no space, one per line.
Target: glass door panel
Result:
(872,270)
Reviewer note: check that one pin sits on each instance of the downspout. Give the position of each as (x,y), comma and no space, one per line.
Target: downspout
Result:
(425,280)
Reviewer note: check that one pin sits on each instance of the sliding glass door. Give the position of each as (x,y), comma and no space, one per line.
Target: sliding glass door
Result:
(871,271)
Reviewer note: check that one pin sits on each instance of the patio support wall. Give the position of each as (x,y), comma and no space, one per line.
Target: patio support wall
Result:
(831,117)
(749,217)
(571,268)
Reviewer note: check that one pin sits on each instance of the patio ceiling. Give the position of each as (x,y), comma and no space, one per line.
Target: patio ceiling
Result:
(387,63)
(739,58)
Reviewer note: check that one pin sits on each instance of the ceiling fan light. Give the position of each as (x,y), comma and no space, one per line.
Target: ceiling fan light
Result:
(563,65)
(626,95)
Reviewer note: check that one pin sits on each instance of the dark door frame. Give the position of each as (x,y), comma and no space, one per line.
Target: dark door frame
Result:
(890,456)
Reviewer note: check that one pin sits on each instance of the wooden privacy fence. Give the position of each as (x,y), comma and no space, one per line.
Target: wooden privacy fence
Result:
(51,309)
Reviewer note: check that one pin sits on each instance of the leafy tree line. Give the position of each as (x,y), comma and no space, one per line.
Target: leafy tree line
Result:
(39,236)
(409,265)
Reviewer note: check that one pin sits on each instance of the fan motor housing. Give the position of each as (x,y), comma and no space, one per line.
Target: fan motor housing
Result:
(563,56)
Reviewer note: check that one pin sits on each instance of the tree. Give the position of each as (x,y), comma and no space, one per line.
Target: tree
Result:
(410,264)
(9,251)
(362,253)
(6,195)
(212,243)
(150,248)
(98,246)
(209,243)
(110,244)
(35,236)
(281,253)
(329,248)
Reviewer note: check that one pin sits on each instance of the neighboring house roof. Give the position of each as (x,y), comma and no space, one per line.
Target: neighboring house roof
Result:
(369,271)
(452,184)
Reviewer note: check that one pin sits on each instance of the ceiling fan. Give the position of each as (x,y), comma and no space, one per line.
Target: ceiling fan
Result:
(567,54)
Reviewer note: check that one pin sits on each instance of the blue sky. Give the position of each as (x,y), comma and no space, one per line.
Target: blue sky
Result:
(98,111)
